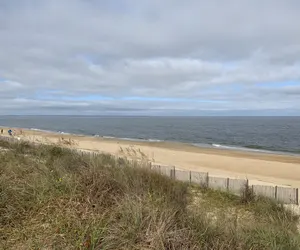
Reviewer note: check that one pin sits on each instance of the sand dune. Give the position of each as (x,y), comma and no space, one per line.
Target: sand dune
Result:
(257,167)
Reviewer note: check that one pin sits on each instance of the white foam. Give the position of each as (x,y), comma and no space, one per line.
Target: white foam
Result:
(109,137)
(154,140)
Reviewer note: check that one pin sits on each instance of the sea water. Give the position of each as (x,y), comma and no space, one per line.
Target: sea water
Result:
(242,133)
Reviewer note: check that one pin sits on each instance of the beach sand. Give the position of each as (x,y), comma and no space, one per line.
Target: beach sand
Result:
(259,168)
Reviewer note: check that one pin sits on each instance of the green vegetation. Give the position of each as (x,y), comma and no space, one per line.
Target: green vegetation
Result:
(53,198)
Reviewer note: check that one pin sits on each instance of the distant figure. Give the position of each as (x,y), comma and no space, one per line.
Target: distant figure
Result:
(1,131)
(10,132)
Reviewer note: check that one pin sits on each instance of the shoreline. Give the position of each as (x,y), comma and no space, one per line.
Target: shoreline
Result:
(259,167)
(205,146)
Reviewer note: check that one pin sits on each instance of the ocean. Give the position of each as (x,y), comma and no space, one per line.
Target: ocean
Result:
(281,134)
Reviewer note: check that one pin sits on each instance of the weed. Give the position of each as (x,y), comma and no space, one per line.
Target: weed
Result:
(54,198)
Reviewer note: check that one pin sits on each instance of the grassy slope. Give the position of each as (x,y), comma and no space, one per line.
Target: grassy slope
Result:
(51,198)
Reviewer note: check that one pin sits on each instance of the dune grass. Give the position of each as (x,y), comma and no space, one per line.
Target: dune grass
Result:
(53,198)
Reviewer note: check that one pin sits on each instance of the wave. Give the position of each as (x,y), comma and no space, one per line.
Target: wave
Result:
(42,130)
(155,140)
(254,148)
(129,139)
(227,147)
(140,139)
(258,149)
(97,135)
(49,131)
(107,137)
(237,148)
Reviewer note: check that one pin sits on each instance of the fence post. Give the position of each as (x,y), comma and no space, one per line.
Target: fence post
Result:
(207,180)
(297,197)
(172,173)
(275,192)
(227,184)
(190,176)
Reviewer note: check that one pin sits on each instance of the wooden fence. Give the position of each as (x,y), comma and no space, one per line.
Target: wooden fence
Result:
(286,195)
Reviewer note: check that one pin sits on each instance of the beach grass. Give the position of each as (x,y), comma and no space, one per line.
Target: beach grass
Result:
(54,198)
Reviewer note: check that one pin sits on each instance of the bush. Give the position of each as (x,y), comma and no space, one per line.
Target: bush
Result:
(53,198)
(247,195)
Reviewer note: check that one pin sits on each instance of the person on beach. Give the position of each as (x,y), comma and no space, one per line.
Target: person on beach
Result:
(1,131)
(10,132)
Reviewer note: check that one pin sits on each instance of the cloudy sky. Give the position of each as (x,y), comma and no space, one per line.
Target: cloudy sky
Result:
(150,57)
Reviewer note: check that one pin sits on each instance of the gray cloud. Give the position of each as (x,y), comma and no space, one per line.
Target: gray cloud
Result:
(188,56)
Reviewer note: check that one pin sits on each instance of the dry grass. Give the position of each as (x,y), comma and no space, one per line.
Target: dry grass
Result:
(135,154)
(53,198)
(66,142)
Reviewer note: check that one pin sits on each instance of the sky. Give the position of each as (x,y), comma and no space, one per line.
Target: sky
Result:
(149,57)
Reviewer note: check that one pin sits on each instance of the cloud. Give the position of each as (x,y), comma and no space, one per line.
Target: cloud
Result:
(235,56)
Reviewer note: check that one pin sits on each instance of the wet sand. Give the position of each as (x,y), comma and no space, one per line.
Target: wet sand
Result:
(260,168)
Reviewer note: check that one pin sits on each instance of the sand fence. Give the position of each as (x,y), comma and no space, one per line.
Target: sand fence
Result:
(285,195)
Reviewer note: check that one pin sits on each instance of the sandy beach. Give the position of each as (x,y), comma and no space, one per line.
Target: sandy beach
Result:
(259,168)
